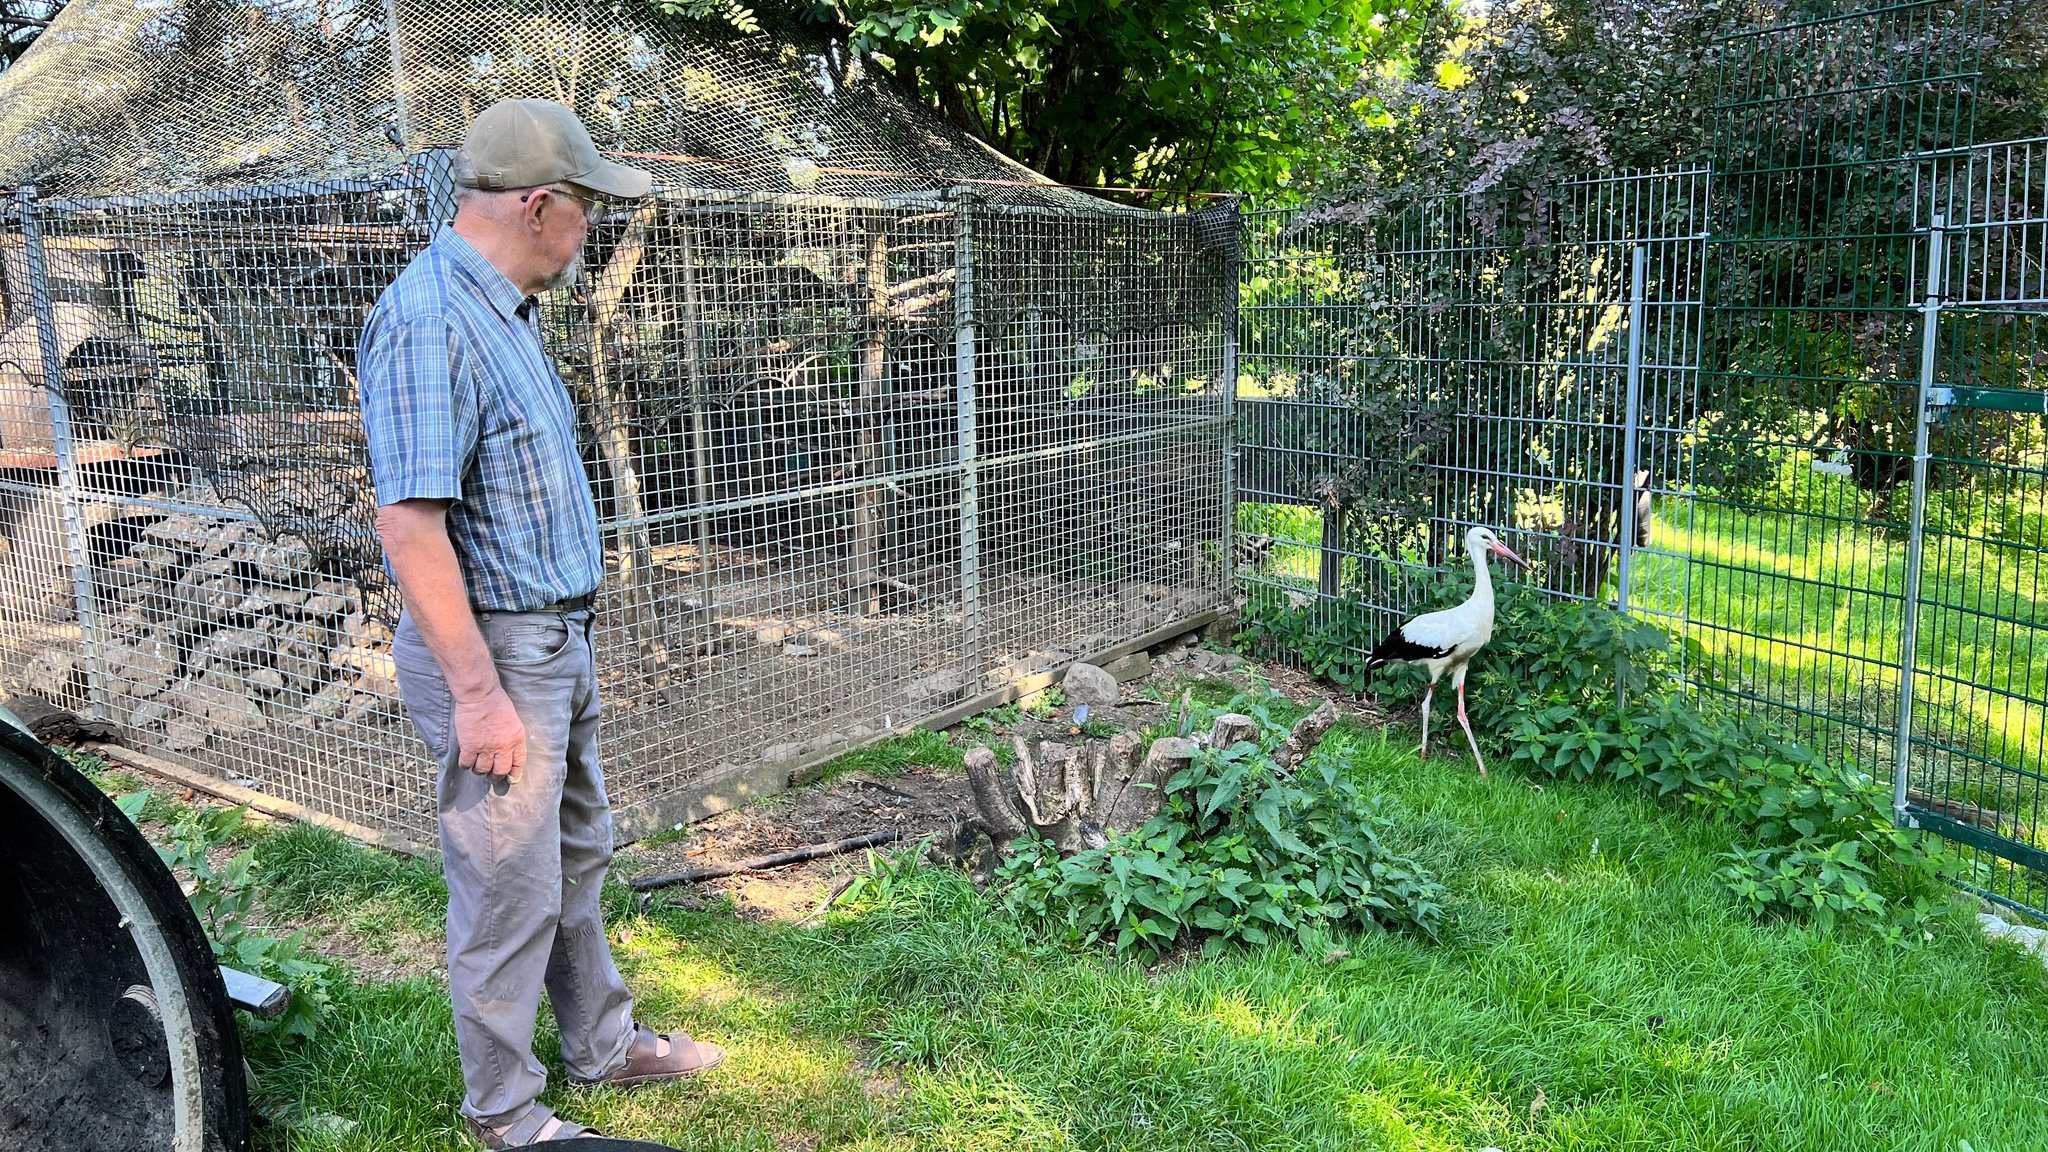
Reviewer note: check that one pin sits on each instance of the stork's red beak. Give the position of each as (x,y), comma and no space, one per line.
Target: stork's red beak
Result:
(1508,552)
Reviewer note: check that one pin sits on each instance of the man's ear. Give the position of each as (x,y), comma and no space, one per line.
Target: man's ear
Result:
(540,203)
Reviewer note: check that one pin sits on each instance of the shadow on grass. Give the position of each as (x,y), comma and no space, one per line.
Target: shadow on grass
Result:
(1594,990)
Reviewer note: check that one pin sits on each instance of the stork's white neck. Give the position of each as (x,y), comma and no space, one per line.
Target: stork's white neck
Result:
(1482,579)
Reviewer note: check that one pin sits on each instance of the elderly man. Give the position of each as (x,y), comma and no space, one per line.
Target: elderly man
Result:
(490,531)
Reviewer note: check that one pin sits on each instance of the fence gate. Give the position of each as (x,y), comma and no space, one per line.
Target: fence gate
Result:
(1973,717)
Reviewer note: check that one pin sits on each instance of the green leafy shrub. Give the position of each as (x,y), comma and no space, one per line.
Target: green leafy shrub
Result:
(1240,852)
(223,894)
(1328,638)
(1579,690)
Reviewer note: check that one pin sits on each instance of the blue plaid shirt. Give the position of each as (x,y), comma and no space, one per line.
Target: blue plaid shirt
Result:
(460,403)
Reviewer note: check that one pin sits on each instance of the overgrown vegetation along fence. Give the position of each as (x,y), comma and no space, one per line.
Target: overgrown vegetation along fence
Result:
(1701,394)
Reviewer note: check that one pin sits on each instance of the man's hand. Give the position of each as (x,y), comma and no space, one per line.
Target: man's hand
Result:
(491,737)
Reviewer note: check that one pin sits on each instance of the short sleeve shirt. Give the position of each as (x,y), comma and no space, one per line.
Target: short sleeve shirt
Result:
(461,403)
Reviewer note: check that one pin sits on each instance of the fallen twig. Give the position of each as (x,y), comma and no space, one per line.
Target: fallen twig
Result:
(826,905)
(763,863)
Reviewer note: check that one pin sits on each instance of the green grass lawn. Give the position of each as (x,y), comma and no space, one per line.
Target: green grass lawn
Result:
(1804,610)
(1594,990)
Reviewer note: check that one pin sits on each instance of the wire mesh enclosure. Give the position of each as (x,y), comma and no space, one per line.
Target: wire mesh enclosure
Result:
(1410,377)
(1789,403)
(877,423)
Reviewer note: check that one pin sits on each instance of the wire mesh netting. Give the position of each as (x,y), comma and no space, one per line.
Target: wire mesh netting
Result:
(292,89)
(1406,379)
(859,456)
(1848,262)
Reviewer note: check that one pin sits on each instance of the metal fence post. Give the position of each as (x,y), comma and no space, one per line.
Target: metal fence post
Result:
(1930,337)
(1631,425)
(963,367)
(68,486)
(1233,272)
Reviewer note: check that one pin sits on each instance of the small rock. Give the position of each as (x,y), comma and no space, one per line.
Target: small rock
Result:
(50,673)
(2034,940)
(322,606)
(149,717)
(1134,666)
(185,733)
(379,682)
(1087,684)
(268,681)
(330,702)
(798,650)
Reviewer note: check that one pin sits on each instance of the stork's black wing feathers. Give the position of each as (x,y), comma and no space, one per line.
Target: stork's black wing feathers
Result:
(1397,648)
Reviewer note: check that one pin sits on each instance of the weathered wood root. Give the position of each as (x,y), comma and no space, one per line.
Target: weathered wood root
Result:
(1304,736)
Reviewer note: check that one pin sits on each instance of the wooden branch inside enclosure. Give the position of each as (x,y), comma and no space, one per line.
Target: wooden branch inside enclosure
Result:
(865,589)
(615,434)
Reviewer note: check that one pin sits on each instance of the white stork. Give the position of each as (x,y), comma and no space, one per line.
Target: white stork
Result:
(1447,640)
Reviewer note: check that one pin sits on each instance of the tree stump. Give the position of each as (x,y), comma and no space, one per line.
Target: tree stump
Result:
(1077,797)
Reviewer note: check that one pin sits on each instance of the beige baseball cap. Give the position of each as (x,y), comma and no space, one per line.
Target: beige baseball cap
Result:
(528,143)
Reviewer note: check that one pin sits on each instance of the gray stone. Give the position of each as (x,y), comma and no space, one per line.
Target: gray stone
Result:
(51,672)
(303,666)
(182,530)
(183,733)
(284,560)
(1131,666)
(1087,684)
(268,681)
(234,647)
(322,605)
(160,560)
(223,536)
(149,717)
(331,701)
(209,592)
(150,660)
(230,713)
(379,682)
(2032,939)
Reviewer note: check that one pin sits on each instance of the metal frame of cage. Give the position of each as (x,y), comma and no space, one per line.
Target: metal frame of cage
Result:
(860,462)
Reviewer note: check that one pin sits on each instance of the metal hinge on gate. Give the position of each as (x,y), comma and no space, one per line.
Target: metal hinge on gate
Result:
(1940,398)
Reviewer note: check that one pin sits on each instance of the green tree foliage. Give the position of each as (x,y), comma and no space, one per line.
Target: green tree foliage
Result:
(1183,95)
(21,21)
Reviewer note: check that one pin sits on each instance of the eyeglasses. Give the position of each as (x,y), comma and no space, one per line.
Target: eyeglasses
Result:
(596,209)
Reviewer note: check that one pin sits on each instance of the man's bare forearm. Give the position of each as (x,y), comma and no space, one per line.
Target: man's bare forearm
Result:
(415,535)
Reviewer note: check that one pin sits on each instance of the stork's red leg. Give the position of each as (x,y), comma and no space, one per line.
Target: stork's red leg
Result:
(1467,726)
(1425,718)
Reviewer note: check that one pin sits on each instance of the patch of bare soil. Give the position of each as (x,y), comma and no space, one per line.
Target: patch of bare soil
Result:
(923,801)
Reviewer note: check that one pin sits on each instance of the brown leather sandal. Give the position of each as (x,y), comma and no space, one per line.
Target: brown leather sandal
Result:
(539,1124)
(662,1056)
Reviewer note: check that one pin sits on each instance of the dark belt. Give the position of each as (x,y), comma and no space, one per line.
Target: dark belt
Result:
(572,604)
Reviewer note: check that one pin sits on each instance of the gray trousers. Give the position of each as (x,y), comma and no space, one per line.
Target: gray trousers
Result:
(525,864)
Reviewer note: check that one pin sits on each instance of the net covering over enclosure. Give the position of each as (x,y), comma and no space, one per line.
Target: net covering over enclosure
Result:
(1788,401)
(877,422)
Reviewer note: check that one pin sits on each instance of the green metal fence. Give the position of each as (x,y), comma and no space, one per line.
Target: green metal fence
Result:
(1789,403)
